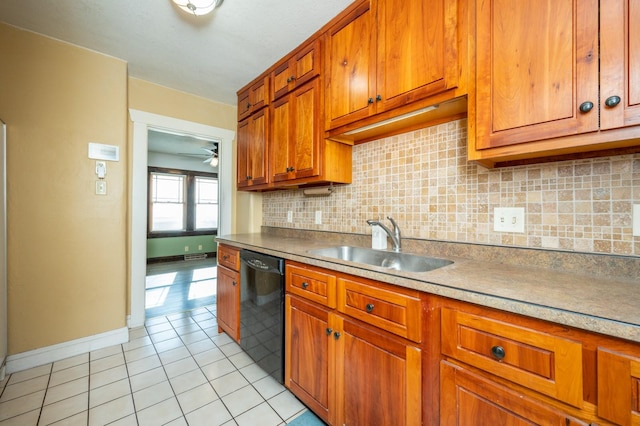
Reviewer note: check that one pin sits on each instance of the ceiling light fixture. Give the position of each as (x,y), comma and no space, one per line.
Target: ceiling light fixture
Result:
(198,7)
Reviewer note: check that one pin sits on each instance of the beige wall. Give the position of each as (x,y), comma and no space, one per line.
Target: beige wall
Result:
(66,245)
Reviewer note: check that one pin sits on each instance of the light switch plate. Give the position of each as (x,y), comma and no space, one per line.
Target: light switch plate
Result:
(290,216)
(508,219)
(101,187)
(318,220)
(636,220)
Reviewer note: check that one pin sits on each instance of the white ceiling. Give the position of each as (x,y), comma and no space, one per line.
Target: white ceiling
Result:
(183,145)
(211,56)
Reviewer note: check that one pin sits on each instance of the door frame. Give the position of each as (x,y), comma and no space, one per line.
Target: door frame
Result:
(142,122)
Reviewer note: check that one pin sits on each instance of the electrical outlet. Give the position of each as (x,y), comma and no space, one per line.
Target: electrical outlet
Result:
(290,216)
(318,220)
(186,248)
(199,246)
(508,219)
(636,220)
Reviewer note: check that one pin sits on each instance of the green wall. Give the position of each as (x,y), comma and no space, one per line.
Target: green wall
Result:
(174,246)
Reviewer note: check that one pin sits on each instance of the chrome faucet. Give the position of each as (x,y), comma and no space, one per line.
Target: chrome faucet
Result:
(395,236)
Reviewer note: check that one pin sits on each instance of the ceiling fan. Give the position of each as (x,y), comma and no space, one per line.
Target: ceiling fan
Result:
(211,154)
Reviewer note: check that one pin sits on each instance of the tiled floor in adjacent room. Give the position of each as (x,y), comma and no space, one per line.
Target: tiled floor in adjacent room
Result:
(177,370)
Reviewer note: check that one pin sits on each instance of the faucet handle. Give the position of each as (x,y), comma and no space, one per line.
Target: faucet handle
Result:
(393,222)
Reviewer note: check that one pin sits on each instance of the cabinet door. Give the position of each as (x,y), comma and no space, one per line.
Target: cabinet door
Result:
(297,135)
(228,301)
(378,378)
(309,363)
(412,60)
(253,98)
(620,64)
(252,149)
(467,398)
(302,67)
(619,388)
(350,68)
(537,63)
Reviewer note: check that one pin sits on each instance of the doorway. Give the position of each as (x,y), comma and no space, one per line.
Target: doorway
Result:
(183,221)
(142,122)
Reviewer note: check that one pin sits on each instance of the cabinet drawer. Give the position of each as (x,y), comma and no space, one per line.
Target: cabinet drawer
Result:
(395,311)
(312,284)
(539,361)
(229,257)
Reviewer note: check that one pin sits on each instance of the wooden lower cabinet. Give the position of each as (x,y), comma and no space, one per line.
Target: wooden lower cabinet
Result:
(619,387)
(350,373)
(308,364)
(470,398)
(378,377)
(228,302)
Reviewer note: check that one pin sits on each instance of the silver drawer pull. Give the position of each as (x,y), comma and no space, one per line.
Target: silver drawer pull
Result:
(369,307)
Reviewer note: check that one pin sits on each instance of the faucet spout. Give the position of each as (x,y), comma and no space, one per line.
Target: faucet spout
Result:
(395,235)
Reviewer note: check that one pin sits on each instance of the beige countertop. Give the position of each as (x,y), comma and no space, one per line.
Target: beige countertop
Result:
(598,303)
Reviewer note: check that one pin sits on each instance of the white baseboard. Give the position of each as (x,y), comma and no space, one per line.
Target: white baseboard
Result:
(42,356)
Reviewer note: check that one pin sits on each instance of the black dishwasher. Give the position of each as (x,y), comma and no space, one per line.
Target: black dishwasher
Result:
(262,311)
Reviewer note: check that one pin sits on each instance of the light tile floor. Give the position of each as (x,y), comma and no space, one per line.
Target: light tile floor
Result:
(176,370)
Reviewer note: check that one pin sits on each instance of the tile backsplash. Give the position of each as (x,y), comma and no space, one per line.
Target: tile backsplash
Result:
(423,180)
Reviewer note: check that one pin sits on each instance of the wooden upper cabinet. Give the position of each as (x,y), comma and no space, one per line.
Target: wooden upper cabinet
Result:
(555,78)
(252,139)
(620,64)
(297,69)
(389,53)
(297,134)
(253,98)
(350,67)
(537,63)
(417,53)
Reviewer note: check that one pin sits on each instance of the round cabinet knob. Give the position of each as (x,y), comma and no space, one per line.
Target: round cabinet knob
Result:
(248,177)
(329,331)
(305,284)
(370,100)
(336,335)
(612,101)
(234,283)
(498,352)
(248,105)
(586,106)
(369,307)
(378,98)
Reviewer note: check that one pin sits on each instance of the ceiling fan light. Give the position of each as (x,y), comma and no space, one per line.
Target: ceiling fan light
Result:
(198,7)
(214,162)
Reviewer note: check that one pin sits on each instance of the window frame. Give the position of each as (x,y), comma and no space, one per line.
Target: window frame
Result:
(190,205)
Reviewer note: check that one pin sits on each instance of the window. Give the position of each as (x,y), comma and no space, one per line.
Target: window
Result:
(182,203)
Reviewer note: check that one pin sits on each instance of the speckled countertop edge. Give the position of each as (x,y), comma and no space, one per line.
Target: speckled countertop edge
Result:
(601,304)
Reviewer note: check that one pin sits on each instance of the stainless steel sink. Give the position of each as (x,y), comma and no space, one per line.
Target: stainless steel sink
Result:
(385,259)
